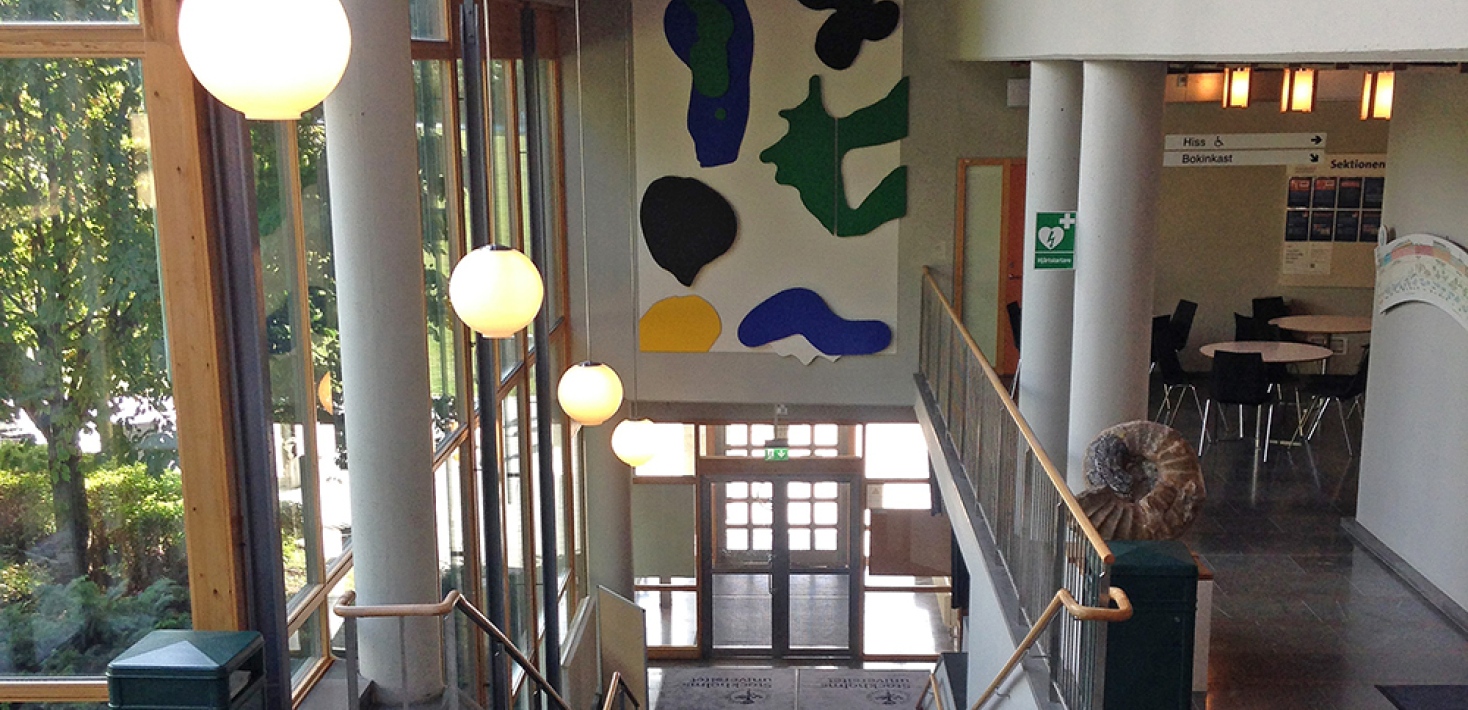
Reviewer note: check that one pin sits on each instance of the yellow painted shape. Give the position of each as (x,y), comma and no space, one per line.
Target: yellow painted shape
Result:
(682,324)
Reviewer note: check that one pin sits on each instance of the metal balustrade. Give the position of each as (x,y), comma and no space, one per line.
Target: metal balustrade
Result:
(1049,549)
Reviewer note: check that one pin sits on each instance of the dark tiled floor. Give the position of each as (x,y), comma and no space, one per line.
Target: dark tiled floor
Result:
(1302,618)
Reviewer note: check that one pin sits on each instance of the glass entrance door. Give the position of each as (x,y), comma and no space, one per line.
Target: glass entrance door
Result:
(779,553)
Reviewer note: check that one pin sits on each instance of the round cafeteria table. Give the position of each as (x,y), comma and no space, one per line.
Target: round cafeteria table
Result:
(1324,325)
(1272,351)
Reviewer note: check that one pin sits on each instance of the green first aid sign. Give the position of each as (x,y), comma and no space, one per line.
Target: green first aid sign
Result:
(1055,240)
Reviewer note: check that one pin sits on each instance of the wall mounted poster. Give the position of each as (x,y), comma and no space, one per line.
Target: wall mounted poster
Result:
(1425,268)
(1334,205)
(780,244)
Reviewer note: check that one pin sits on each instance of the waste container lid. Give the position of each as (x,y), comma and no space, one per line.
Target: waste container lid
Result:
(186,654)
(1152,558)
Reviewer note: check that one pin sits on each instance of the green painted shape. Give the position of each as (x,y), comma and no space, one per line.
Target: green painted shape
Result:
(809,156)
(720,114)
(709,58)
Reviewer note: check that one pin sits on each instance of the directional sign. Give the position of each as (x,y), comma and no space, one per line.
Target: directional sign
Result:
(1244,141)
(1234,158)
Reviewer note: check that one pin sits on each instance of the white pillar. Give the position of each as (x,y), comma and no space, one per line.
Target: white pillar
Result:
(1116,233)
(372,159)
(1051,177)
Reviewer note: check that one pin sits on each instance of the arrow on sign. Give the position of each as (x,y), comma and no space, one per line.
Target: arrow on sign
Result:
(1317,140)
(1314,157)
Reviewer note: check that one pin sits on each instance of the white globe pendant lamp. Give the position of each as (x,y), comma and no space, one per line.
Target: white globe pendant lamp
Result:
(268,59)
(496,291)
(590,393)
(633,441)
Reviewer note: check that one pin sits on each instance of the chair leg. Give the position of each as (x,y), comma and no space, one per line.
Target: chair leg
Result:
(1198,403)
(1165,406)
(1268,430)
(1258,430)
(1323,403)
(1203,432)
(1340,409)
(1014,384)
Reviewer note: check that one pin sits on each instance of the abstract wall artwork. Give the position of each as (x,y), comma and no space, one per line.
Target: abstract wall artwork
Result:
(715,38)
(854,23)
(802,312)
(809,159)
(770,183)
(681,324)
(686,224)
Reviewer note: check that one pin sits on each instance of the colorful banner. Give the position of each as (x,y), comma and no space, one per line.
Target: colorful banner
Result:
(1425,268)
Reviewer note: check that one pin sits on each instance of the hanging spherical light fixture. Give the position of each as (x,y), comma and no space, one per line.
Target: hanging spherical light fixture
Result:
(590,393)
(633,441)
(496,291)
(269,59)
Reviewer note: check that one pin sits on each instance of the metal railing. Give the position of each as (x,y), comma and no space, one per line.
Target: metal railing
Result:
(351,614)
(1043,538)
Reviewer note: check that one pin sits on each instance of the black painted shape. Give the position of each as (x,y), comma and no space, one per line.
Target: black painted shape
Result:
(855,21)
(686,225)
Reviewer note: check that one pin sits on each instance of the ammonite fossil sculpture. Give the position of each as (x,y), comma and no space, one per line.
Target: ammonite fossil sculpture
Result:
(1146,483)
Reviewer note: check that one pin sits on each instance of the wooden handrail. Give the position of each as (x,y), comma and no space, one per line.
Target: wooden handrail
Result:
(1087,527)
(346,609)
(931,684)
(618,686)
(1063,599)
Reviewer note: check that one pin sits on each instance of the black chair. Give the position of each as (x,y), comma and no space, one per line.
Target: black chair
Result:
(1163,337)
(1324,389)
(1241,379)
(1251,328)
(1012,308)
(1175,379)
(1182,322)
(1270,307)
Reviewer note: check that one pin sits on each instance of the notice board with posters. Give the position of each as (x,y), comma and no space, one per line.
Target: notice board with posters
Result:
(1332,215)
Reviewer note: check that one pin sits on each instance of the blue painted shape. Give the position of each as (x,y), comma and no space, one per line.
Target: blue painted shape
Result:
(801,311)
(716,123)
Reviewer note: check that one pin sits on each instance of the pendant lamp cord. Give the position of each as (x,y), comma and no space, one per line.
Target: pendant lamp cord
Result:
(632,219)
(581,153)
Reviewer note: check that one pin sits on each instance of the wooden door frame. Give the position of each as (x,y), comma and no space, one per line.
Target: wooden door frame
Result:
(960,230)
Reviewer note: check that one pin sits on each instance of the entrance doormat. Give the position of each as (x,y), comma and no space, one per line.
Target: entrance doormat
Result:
(821,689)
(1426,697)
(718,688)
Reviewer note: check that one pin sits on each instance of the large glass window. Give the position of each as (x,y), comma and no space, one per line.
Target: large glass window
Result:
(91,502)
(99,11)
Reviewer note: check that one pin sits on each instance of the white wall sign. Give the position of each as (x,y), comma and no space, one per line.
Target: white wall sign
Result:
(1244,141)
(1236,158)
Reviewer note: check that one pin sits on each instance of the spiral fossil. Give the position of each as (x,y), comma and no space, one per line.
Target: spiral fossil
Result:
(1146,483)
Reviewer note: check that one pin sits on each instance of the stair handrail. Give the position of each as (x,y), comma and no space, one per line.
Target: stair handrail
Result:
(1063,598)
(617,687)
(1103,551)
(347,609)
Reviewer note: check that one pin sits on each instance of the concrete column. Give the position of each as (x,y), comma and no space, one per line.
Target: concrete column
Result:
(1116,233)
(1051,179)
(373,161)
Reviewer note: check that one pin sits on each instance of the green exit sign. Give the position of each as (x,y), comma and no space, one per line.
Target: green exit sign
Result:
(777,454)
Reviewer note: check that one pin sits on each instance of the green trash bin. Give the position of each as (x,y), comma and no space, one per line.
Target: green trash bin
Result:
(1149,657)
(190,670)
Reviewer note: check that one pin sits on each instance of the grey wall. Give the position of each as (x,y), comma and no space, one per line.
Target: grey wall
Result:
(1414,454)
(1222,228)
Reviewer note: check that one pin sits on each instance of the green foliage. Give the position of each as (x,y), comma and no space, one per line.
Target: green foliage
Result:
(137,524)
(25,510)
(78,627)
(20,582)
(82,325)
